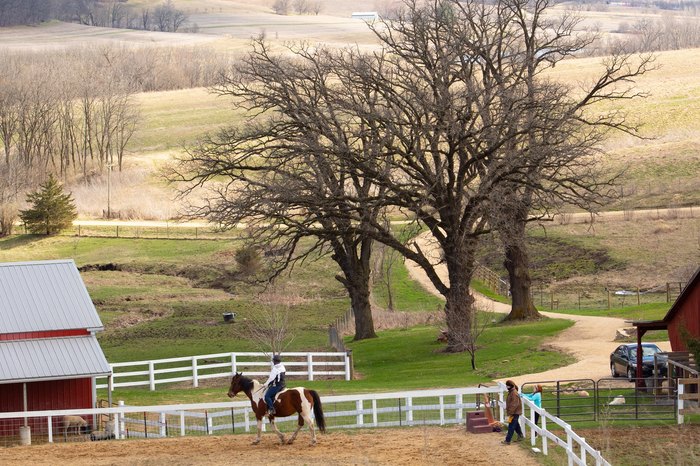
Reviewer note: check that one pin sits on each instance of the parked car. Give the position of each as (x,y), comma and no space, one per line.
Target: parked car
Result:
(623,361)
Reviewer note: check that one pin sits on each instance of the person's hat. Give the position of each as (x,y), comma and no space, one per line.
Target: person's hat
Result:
(276,358)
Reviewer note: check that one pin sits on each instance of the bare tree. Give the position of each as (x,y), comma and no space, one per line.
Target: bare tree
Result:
(281,7)
(270,326)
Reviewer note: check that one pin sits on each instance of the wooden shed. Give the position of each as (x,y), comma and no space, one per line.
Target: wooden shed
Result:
(49,355)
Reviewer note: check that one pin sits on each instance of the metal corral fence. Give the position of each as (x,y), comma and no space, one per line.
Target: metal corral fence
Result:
(309,366)
(410,408)
(152,230)
(607,399)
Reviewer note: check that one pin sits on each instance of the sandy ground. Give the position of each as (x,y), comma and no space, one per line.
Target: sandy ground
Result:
(414,446)
(590,340)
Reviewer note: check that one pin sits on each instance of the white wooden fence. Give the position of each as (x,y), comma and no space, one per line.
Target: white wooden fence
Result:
(210,366)
(577,450)
(419,407)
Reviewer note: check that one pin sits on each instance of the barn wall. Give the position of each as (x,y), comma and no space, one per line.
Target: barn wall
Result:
(41,396)
(687,316)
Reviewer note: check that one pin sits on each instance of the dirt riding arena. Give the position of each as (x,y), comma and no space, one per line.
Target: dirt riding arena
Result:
(418,445)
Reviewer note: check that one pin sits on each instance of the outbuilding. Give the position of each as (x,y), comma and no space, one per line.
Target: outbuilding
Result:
(49,355)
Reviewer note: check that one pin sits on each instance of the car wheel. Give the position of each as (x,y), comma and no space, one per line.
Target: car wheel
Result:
(613,372)
(630,374)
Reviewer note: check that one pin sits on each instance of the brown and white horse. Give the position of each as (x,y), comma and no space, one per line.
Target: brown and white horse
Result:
(297,400)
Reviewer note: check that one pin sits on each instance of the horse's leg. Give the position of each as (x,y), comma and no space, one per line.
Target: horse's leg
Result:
(310,422)
(300,424)
(277,431)
(257,439)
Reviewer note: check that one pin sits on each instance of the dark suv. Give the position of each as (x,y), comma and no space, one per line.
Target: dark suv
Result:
(624,360)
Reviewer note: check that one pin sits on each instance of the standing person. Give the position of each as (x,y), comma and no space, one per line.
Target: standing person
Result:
(514,408)
(536,398)
(275,383)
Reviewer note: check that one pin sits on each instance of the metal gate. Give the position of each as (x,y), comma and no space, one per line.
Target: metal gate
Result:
(579,400)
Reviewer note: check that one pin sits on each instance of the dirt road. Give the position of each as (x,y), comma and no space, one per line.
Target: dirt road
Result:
(590,340)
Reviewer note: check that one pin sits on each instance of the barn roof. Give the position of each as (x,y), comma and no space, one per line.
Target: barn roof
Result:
(43,296)
(51,358)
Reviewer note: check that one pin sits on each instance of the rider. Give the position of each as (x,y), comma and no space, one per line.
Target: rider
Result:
(275,383)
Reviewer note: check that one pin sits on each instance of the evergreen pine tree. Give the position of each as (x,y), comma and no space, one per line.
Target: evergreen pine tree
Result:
(51,209)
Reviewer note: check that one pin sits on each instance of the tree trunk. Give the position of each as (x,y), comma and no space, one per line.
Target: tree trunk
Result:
(356,267)
(460,302)
(517,262)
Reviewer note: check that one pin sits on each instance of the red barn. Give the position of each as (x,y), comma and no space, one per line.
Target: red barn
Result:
(49,356)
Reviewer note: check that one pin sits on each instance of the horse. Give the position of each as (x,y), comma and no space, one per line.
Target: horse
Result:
(287,402)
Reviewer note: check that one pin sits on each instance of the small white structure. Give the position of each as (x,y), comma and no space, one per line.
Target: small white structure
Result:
(369,16)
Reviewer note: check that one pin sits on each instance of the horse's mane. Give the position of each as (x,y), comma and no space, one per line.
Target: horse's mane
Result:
(246,383)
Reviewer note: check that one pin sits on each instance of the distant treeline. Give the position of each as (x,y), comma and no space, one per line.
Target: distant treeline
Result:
(104,13)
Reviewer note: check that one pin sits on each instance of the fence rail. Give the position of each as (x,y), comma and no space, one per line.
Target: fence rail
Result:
(210,366)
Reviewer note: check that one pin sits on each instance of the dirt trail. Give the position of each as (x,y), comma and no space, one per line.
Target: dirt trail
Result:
(590,340)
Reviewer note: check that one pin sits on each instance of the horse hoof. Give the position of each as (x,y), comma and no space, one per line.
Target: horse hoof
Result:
(289,442)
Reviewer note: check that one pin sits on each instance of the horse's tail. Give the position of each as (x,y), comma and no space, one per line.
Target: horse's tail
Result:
(318,411)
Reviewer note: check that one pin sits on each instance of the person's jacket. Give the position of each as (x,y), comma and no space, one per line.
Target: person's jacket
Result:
(513,403)
(536,398)
(276,378)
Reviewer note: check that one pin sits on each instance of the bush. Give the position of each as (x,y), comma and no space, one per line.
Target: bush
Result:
(249,260)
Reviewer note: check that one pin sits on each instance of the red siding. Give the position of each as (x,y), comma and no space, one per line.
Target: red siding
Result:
(687,316)
(41,396)
(44,334)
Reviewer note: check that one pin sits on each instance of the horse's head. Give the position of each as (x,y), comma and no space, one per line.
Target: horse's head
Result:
(236,385)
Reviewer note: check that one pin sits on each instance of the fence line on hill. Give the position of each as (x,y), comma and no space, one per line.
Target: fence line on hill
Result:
(152,373)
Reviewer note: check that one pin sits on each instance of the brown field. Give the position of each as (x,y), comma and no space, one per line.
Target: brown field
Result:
(415,446)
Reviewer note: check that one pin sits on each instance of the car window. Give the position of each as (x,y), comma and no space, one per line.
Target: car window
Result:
(650,350)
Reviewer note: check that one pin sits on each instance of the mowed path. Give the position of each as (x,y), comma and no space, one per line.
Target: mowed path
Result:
(590,340)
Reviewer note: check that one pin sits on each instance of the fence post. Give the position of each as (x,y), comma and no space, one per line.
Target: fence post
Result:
(681,403)
(459,412)
(182,423)
(409,410)
(349,366)
(121,423)
(195,374)
(569,446)
(151,376)
(310,365)
(234,364)
(501,417)
(442,410)
(50,429)
(543,417)
(161,421)
(360,415)
(374,412)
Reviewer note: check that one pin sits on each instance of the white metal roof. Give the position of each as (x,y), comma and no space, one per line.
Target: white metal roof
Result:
(51,358)
(44,295)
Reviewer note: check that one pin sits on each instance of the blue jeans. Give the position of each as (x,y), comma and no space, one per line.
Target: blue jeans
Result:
(514,426)
(270,395)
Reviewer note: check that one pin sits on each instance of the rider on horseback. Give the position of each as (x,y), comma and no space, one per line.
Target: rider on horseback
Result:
(275,383)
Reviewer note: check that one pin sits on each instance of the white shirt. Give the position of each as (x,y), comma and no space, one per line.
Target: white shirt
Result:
(277,369)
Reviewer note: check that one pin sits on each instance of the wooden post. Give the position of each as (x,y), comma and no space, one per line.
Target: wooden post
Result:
(608,290)
(638,299)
